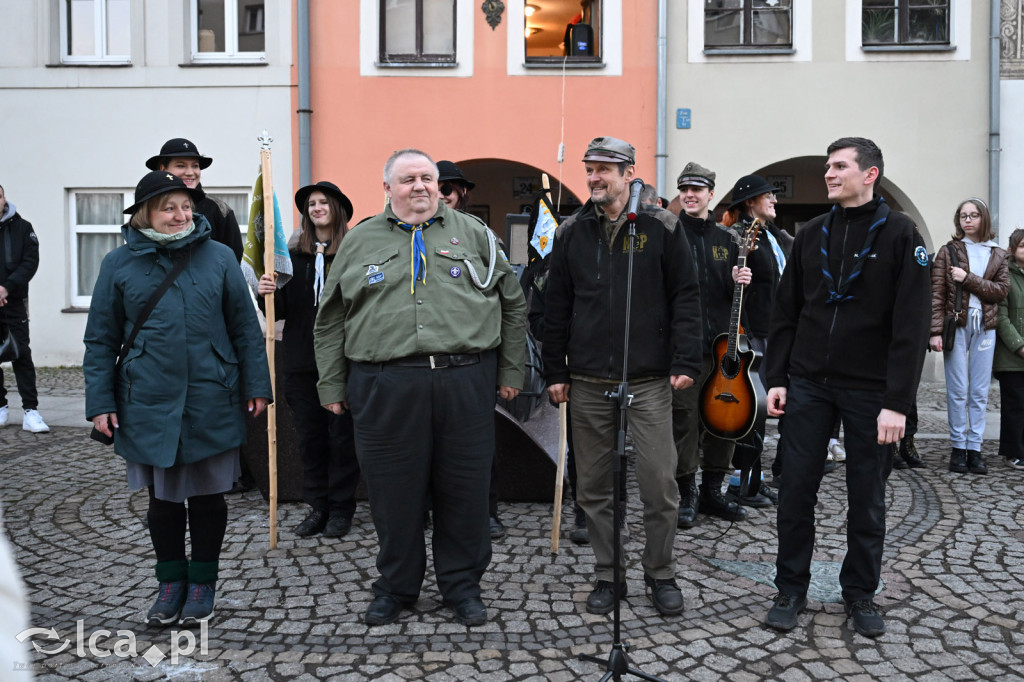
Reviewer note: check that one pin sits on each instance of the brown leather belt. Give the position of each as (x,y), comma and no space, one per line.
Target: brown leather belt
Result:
(435,361)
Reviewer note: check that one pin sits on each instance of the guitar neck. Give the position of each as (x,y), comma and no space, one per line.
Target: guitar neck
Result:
(734,316)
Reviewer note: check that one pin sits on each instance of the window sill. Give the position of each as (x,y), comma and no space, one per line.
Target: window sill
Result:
(75,309)
(908,48)
(733,51)
(568,64)
(225,61)
(91,64)
(416,65)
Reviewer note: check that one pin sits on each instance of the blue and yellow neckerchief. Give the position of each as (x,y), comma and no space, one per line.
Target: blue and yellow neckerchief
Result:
(418,264)
(838,294)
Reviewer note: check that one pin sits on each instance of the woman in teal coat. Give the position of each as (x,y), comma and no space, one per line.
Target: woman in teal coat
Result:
(174,405)
(1008,365)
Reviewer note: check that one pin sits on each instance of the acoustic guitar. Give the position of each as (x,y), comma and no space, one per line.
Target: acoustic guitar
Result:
(732,398)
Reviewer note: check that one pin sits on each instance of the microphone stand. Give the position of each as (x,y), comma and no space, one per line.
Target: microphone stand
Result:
(617,663)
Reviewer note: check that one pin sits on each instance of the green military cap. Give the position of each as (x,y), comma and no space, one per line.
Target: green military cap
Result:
(610,149)
(696,174)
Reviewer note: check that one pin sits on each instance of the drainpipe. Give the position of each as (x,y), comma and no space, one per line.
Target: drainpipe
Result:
(662,113)
(305,163)
(993,125)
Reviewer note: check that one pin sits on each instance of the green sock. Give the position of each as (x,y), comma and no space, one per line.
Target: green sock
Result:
(202,572)
(171,571)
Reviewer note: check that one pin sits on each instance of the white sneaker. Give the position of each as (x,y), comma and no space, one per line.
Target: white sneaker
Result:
(34,422)
(4,416)
(836,452)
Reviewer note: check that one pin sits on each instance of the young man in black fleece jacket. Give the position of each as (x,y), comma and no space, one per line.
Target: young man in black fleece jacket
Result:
(585,320)
(845,338)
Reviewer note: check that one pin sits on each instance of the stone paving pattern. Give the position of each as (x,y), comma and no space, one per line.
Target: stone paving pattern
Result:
(953,595)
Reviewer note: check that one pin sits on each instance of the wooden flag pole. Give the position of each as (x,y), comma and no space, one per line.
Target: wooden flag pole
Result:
(563,432)
(266,168)
(545,182)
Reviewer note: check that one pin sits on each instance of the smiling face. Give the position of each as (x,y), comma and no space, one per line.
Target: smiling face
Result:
(319,210)
(171,213)
(3,202)
(695,200)
(762,207)
(608,186)
(412,188)
(846,183)
(184,167)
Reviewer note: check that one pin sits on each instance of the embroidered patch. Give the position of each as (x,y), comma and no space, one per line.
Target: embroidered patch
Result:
(502,252)
(375,278)
(455,241)
(921,256)
(372,269)
(455,271)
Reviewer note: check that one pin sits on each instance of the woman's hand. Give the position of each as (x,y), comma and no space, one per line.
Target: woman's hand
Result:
(106,423)
(741,275)
(267,284)
(958,274)
(935,343)
(257,405)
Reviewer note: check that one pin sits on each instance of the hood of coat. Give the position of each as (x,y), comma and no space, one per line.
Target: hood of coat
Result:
(9,211)
(140,243)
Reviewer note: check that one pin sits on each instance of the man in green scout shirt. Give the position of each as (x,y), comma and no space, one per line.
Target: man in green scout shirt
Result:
(421,320)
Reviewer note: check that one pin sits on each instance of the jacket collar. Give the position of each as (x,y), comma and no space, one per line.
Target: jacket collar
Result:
(140,243)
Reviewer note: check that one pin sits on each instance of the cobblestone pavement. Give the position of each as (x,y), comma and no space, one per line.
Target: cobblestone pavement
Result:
(952,595)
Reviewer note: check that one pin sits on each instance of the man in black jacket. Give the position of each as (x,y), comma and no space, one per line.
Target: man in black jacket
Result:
(585,320)
(19,259)
(845,338)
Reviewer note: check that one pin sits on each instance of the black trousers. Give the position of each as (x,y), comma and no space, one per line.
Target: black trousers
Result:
(423,431)
(326,445)
(14,316)
(1011,412)
(811,410)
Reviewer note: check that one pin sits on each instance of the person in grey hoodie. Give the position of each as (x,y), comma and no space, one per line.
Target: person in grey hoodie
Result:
(19,260)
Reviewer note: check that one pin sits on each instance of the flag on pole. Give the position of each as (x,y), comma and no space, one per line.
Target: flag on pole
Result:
(544,228)
(252,255)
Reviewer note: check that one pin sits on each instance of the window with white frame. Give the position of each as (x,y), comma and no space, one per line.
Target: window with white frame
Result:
(417,32)
(96,217)
(748,24)
(228,29)
(238,201)
(95,31)
(886,23)
(558,29)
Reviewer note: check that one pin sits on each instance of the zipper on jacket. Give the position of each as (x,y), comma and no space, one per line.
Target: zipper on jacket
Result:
(839,283)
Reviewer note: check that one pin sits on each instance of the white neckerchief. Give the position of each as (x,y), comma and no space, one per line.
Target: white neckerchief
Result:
(318,269)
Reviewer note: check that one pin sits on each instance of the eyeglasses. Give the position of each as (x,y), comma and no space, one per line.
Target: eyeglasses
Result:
(964,217)
(447,188)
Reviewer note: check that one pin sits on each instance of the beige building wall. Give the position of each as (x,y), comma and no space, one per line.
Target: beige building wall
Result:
(928,111)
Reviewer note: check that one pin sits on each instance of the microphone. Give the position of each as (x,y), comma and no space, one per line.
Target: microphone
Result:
(635,187)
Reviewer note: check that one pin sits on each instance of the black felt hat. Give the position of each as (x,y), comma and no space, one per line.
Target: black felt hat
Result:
(748,187)
(178,146)
(449,172)
(156,183)
(302,196)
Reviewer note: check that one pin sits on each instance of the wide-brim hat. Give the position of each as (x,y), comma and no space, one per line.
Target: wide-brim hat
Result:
(748,187)
(448,172)
(178,146)
(302,196)
(156,183)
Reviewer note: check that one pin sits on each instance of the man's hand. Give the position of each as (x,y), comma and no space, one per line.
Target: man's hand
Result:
(257,405)
(105,423)
(337,408)
(507,392)
(742,275)
(559,393)
(891,426)
(776,401)
(3,296)
(680,381)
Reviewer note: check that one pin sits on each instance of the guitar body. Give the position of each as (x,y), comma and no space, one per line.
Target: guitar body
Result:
(732,398)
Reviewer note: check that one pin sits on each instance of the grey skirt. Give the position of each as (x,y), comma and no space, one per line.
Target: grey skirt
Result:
(176,484)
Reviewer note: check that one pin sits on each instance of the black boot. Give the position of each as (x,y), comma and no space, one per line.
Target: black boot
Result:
(579,534)
(958,461)
(897,461)
(975,464)
(713,503)
(687,501)
(908,453)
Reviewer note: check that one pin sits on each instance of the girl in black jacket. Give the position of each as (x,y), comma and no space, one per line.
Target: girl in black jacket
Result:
(326,441)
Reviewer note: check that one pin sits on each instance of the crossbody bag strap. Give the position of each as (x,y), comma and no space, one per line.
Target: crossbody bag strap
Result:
(958,295)
(179,265)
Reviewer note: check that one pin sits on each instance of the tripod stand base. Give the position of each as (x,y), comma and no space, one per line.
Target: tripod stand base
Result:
(617,665)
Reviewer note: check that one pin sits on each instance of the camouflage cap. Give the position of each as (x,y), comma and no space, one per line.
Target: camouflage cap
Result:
(610,149)
(696,174)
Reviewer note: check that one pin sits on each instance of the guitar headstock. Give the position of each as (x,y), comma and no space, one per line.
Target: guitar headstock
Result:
(748,240)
